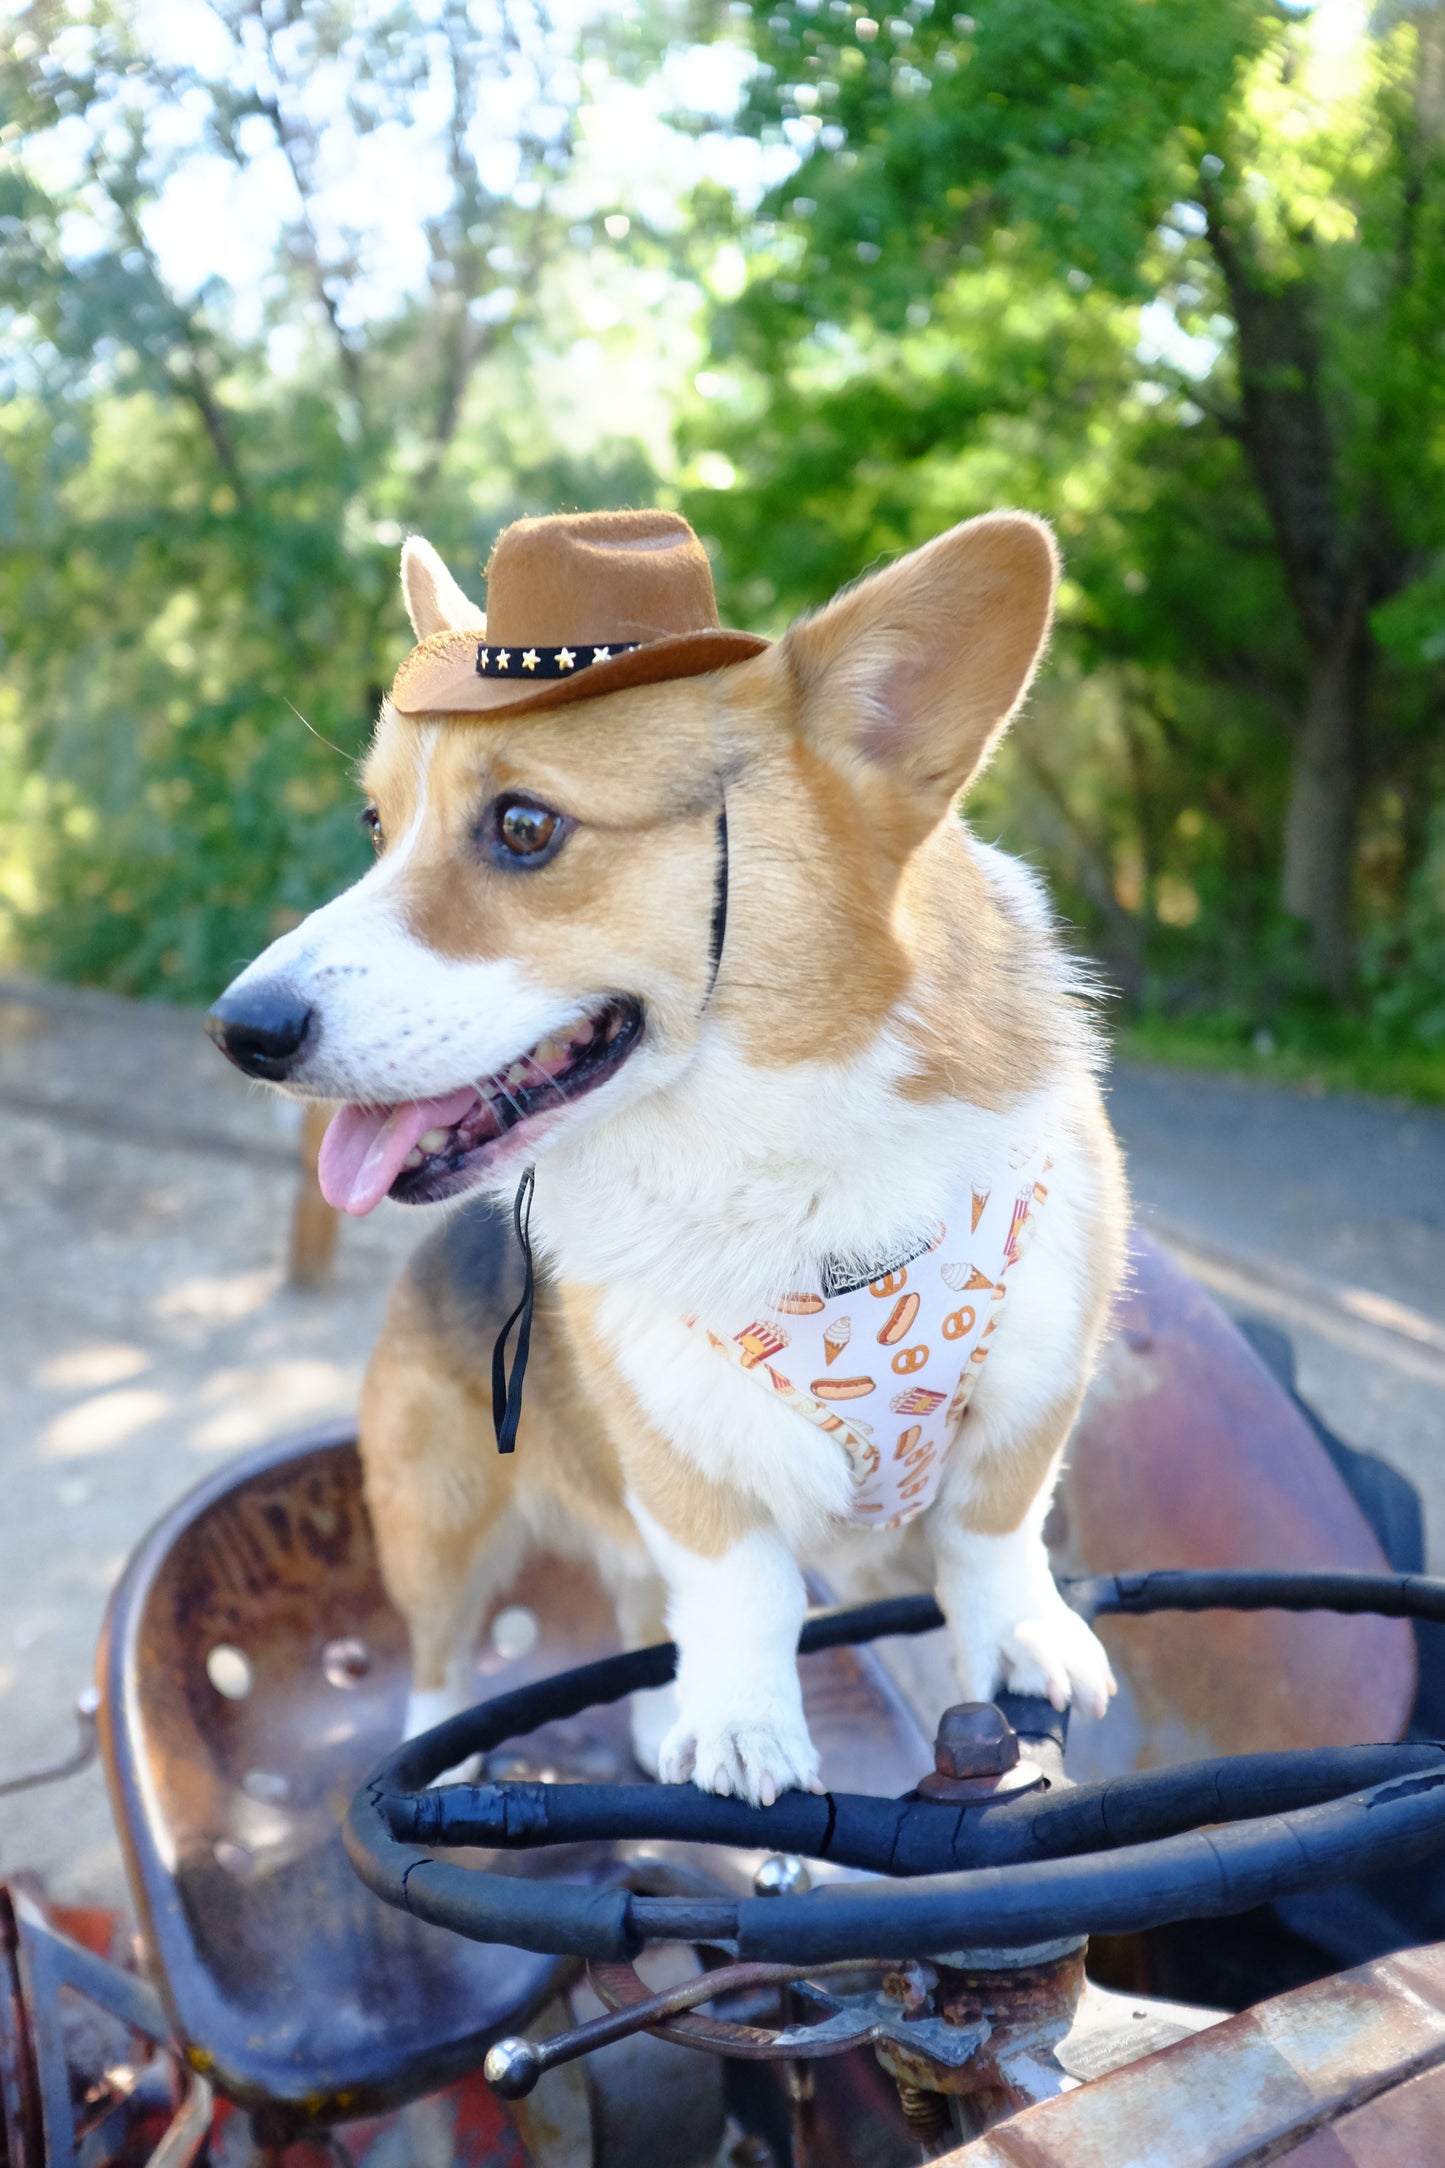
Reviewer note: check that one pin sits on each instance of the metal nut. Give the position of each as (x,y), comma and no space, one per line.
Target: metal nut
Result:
(975,1739)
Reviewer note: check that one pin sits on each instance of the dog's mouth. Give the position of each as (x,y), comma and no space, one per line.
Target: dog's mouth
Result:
(426,1149)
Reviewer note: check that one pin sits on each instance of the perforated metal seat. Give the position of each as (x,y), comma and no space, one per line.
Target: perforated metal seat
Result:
(252,1672)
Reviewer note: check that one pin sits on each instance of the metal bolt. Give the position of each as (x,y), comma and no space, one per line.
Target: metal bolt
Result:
(925,2112)
(782,1874)
(975,1739)
(911,1986)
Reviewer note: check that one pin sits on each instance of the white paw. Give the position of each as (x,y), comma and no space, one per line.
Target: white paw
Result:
(652,1716)
(428,1707)
(1049,1651)
(752,1760)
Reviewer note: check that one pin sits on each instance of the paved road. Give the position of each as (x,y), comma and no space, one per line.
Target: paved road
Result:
(1326,1216)
(146,1332)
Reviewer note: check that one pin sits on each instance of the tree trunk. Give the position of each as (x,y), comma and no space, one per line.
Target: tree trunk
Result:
(1319,829)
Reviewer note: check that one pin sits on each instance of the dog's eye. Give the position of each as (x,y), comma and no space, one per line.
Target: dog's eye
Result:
(371,822)
(525,832)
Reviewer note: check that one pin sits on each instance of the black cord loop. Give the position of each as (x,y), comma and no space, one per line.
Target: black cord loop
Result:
(507,1392)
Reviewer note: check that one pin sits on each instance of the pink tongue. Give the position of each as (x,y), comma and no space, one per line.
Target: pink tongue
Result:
(365,1148)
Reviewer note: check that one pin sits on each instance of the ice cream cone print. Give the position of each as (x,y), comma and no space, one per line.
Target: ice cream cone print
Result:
(980,1199)
(962,1277)
(836,1338)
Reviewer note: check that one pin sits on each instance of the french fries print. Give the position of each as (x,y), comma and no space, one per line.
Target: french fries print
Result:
(760,1340)
(893,1417)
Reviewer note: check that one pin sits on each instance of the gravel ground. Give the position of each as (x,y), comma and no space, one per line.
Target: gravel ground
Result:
(1326,1216)
(147,1331)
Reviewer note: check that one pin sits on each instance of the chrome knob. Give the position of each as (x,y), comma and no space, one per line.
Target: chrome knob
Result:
(512,2067)
(782,1874)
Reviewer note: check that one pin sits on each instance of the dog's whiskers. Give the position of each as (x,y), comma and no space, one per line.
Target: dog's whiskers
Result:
(555,1082)
(502,1092)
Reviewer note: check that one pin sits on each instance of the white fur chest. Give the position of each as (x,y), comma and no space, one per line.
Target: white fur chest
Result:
(720,1193)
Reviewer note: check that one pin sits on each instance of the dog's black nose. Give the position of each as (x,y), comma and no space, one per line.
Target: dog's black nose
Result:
(262,1029)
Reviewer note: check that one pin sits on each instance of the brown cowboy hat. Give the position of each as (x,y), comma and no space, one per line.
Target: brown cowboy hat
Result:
(577,605)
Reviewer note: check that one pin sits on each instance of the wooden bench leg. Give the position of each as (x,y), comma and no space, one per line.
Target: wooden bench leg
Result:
(313,1223)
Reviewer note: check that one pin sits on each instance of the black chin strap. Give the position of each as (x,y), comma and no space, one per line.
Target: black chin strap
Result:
(507,1391)
(719,932)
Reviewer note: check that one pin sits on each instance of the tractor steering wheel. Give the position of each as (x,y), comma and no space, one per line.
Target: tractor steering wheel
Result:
(1005,1864)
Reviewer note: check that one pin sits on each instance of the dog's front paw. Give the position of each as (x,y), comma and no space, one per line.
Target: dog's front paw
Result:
(426,1708)
(1048,1650)
(653,1717)
(751,1760)
(1059,1656)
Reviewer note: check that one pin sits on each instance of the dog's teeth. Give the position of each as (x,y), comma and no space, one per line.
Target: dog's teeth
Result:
(548,1050)
(431,1140)
(584,1034)
(413,1159)
(516,1075)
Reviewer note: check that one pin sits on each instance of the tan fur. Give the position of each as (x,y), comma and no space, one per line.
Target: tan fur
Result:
(981,1050)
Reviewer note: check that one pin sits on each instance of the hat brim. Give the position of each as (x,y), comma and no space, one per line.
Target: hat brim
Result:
(440,677)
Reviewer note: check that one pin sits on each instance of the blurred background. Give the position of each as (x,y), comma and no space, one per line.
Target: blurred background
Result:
(282,281)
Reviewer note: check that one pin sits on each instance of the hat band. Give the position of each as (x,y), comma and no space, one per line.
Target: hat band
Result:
(547,662)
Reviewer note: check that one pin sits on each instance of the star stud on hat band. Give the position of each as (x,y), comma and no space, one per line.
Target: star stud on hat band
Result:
(553,662)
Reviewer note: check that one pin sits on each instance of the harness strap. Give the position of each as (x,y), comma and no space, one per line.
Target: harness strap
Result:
(507,1390)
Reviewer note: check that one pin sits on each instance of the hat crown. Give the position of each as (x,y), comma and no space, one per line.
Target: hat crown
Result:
(596,578)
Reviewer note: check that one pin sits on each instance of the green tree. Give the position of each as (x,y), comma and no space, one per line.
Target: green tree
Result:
(1177,275)
(202,493)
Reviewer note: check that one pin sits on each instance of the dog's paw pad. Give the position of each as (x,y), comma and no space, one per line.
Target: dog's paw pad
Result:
(1059,1657)
(754,1761)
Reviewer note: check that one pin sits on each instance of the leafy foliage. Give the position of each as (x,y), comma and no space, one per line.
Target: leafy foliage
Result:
(200,516)
(1174,276)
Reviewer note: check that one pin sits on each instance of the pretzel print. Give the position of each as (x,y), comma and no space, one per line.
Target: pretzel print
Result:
(937,1314)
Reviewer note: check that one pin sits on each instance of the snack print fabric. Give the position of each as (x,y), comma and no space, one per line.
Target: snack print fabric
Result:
(887,1366)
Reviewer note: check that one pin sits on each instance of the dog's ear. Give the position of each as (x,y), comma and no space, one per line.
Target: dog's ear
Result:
(917,669)
(434,602)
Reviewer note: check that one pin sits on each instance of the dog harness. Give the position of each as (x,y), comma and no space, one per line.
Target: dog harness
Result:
(887,1362)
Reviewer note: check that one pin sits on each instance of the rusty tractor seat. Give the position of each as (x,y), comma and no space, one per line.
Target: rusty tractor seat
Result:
(252,1671)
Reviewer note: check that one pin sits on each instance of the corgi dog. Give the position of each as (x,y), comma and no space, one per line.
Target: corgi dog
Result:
(683,932)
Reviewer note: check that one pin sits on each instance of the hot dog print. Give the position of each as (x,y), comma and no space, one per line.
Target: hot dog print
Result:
(891,1362)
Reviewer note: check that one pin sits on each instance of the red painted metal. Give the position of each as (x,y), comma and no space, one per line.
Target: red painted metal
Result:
(1189,1454)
